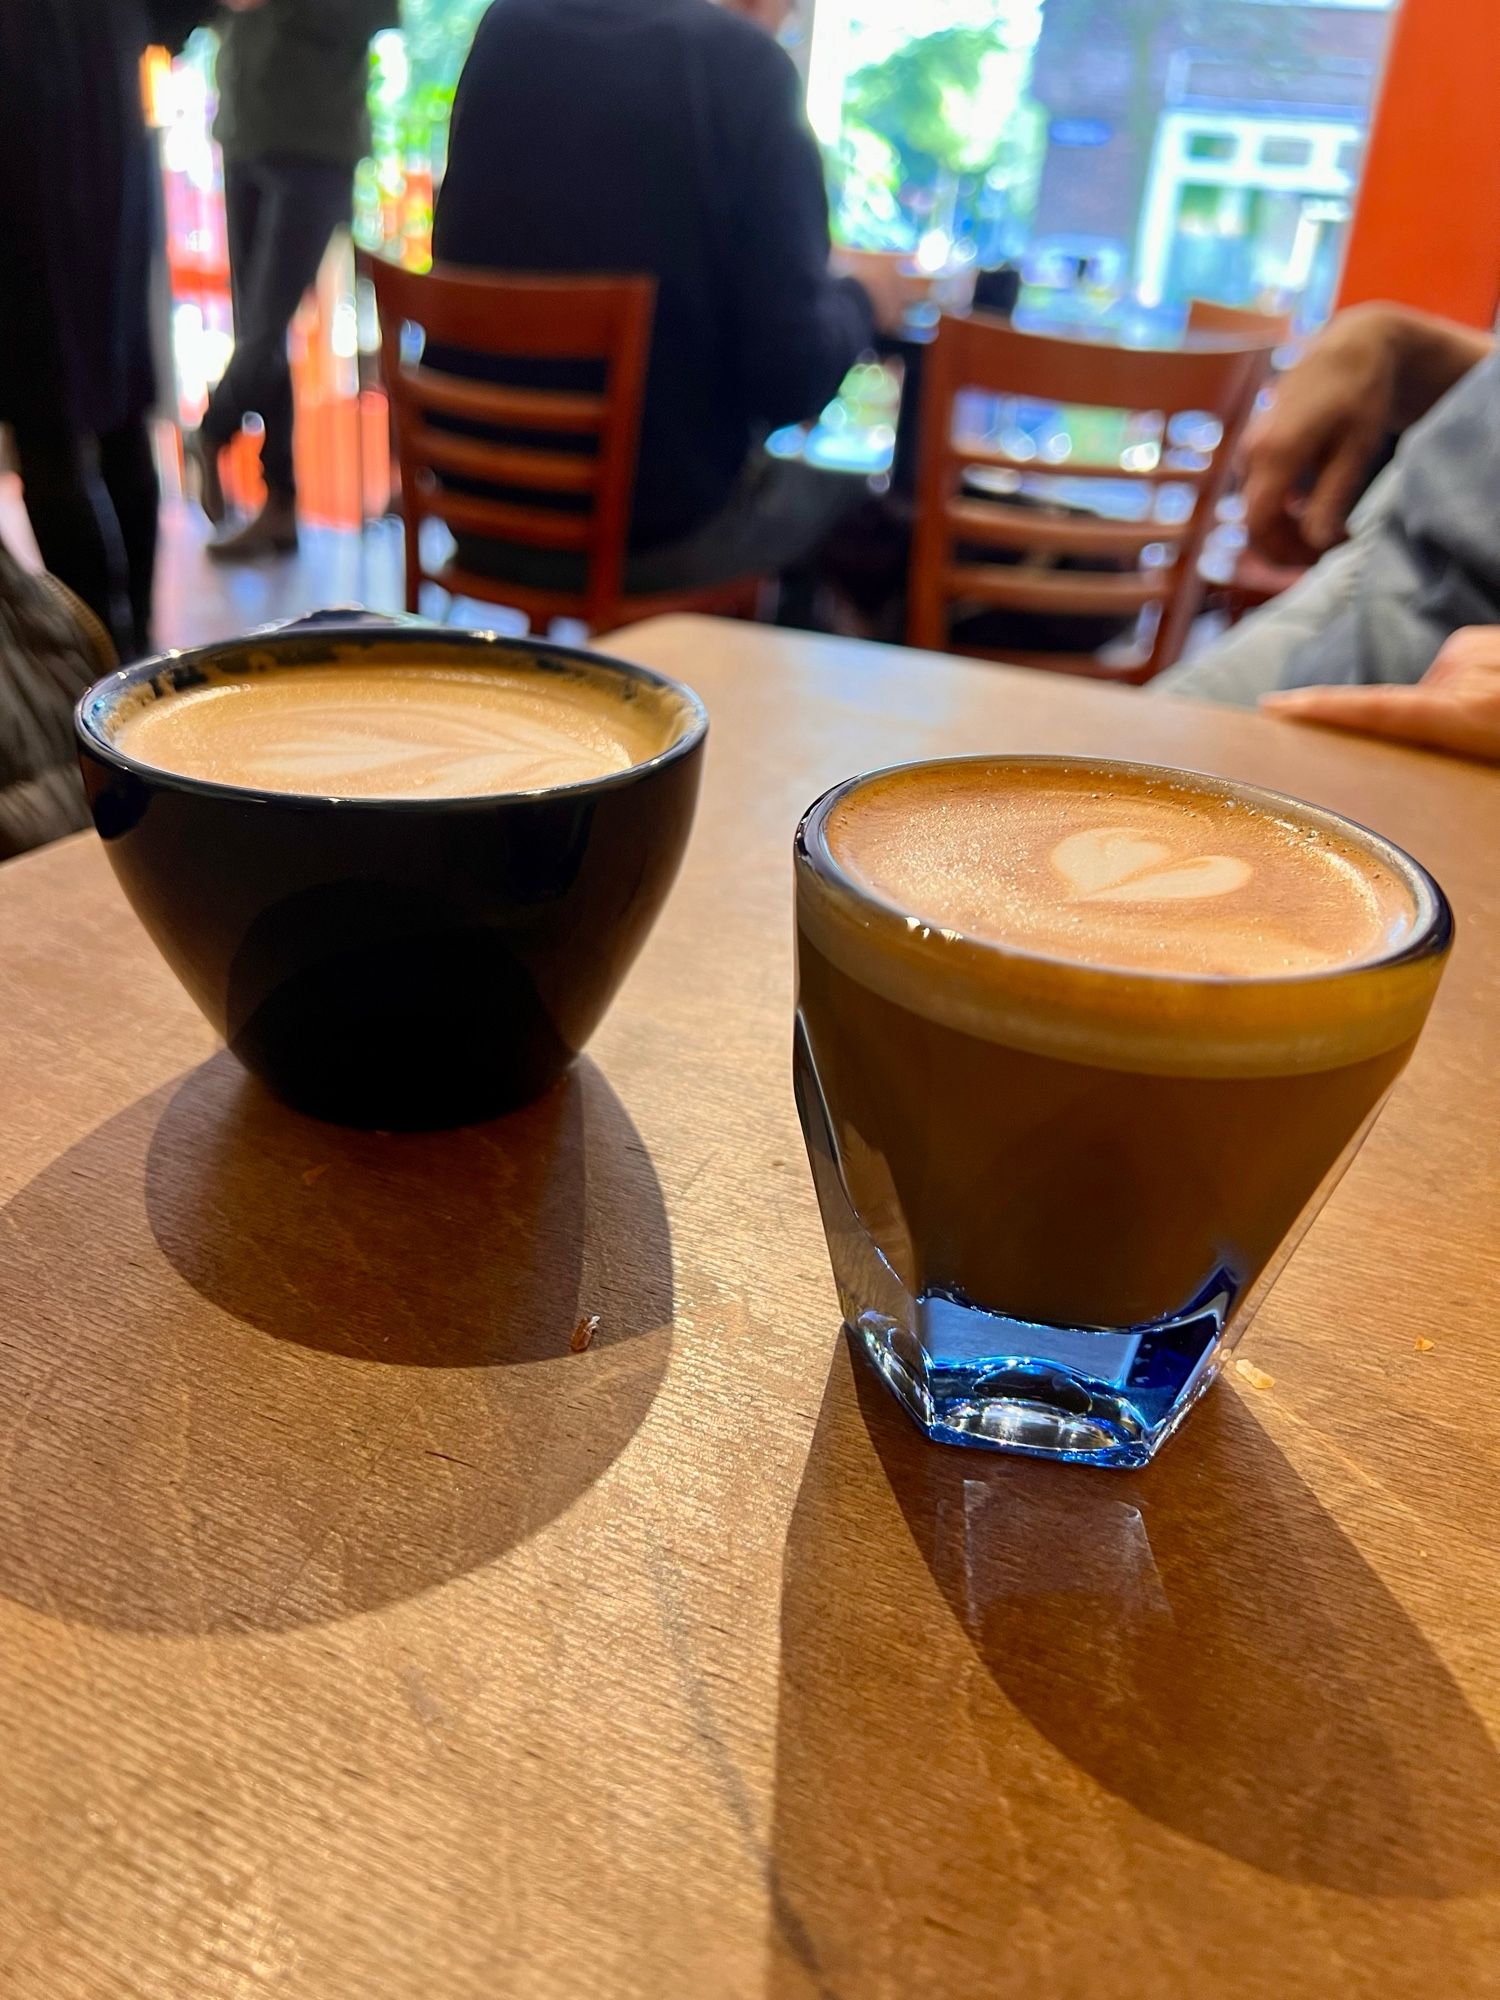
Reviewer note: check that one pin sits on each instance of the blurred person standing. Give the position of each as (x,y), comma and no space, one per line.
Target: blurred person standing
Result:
(292,125)
(82,225)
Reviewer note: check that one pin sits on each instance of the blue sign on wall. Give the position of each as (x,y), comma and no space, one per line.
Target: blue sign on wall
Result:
(1080,132)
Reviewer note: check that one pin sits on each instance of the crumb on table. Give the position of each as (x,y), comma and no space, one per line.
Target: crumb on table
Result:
(1256,1377)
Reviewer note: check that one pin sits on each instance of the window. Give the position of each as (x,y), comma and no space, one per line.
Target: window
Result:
(415,72)
(1295,152)
(1127,154)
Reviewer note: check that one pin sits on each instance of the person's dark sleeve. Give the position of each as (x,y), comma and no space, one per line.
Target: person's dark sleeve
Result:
(798,328)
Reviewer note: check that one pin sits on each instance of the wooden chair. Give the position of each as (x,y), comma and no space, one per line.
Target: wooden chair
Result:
(956,529)
(543,446)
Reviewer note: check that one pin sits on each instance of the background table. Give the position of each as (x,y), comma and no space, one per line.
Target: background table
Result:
(360,1641)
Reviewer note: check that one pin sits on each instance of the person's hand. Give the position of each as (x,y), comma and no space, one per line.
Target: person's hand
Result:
(242,6)
(1373,370)
(1306,457)
(1454,707)
(893,287)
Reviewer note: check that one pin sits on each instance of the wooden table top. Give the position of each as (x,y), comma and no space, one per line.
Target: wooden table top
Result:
(361,1641)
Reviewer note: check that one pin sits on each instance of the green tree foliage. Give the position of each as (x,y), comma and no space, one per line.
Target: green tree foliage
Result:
(945,113)
(436,35)
(927,102)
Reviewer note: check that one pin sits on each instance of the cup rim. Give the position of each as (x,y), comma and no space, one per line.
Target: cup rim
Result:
(1432,932)
(104,697)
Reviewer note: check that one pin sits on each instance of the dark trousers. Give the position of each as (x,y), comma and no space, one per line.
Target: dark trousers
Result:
(280,214)
(93,506)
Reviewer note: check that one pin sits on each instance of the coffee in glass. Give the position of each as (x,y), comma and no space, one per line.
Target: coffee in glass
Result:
(1080,1049)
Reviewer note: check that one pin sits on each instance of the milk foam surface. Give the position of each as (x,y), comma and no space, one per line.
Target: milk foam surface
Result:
(1138,873)
(396,731)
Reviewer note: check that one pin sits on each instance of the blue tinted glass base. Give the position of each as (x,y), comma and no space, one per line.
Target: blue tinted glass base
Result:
(972,1377)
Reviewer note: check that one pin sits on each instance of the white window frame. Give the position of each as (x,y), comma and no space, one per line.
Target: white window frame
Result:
(1173,168)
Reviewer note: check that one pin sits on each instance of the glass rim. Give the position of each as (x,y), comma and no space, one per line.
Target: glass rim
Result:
(1432,933)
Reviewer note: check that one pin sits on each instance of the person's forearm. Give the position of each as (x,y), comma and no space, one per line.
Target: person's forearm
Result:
(1431,354)
(794,362)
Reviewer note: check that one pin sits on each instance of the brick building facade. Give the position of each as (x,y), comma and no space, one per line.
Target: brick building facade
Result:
(1124,82)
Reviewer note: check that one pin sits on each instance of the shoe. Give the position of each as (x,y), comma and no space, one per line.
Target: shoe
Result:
(202,462)
(273,532)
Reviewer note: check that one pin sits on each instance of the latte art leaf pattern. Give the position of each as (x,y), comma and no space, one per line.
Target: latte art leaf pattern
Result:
(392,732)
(327,749)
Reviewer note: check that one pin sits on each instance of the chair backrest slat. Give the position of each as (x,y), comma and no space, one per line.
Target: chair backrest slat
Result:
(990,354)
(487,403)
(974,521)
(513,313)
(1023,589)
(518,465)
(1240,323)
(531,527)
(969,451)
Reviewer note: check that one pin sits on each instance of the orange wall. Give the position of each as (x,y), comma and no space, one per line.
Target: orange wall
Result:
(1427,230)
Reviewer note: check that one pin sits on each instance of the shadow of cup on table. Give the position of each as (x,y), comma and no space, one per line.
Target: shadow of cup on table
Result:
(1198,1640)
(262,1372)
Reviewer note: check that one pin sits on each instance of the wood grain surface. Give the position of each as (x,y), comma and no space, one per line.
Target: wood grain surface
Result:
(360,1640)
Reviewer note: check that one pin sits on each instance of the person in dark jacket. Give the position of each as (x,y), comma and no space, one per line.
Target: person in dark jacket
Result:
(667,137)
(82,211)
(292,124)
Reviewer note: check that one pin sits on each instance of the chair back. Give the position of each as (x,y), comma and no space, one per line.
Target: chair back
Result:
(1206,317)
(564,460)
(1039,530)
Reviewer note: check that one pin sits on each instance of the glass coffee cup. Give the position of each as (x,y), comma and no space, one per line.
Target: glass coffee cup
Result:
(1081,1048)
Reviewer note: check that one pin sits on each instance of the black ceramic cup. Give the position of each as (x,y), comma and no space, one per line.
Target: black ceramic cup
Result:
(395,962)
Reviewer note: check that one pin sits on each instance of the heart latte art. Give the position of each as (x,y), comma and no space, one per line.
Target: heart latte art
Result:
(1124,871)
(1110,864)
